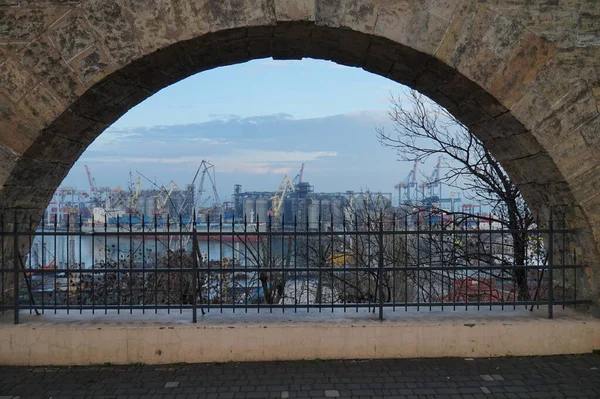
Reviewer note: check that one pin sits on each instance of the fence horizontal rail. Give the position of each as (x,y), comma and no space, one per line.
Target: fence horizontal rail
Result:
(328,269)
(349,306)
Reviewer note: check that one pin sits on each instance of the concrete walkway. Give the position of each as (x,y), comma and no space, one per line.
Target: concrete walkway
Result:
(513,377)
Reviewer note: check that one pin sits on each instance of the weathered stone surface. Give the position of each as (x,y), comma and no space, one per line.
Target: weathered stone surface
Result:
(15,80)
(111,25)
(412,25)
(18,132)
(574,109)
(92,65)
(524,76)
(294,10)
(573,155)
(522,67)
(72,35)
(41,106)
(45,61)
(25,23)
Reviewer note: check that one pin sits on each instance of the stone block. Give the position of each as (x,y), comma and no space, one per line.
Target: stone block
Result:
(92,65)
(512,147)
(290,41)
(8,160)
(327,13)
(590,131)
(17,131)
(295,10)
(539,168)
(110,23)
(358,15)
(41,106)
(55,149)
(72,35)
(521,68)
(15,80)
(263,48)
(409,65)
(415,27)
(540,195)
(159,23)
(26,23)
(460,89)
(44,175)
(76,127)
(260,13)
(503,125)
(25,197)
(586,185)
(491,106)
(572,155)
(575,108)
(222,15)
(442,8)
(47,64)
(450,48)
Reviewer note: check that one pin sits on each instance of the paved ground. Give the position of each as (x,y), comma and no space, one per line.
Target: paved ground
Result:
(515,377)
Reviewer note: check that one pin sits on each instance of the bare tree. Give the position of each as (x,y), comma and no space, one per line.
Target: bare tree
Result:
(423,129)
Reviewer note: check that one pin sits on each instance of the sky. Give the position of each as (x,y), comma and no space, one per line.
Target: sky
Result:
(256,122)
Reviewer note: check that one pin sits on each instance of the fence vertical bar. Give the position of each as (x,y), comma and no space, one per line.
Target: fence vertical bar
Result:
(16,270)
(380,279)
(551,266)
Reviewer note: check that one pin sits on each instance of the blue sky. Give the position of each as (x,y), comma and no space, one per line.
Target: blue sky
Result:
(256,122)
(304,89)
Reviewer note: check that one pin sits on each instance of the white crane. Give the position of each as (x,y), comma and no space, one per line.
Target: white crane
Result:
(208,169)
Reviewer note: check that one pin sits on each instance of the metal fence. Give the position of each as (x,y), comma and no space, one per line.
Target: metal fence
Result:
(380,261)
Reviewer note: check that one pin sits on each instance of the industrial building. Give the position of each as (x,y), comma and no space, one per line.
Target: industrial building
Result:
(294,203)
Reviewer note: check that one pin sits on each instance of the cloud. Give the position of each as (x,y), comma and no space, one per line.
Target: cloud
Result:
(258,162)
(208,141)
(112,137)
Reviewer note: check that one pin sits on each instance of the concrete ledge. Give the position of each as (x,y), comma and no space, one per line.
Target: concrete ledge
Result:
(220,337)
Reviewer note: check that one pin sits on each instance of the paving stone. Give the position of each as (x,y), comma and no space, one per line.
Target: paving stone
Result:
(172,384)
(535,377)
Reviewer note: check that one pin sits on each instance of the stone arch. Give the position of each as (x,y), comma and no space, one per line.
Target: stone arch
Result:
(527,88)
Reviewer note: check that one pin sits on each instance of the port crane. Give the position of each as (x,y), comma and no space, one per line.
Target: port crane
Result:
(164,196)
(433,186)
(91,181)
(405,186)
(280,194)
(208,169)
(134,191)
(298,178)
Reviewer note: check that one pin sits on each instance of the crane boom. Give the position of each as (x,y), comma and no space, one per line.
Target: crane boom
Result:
(136,193)
(278,198)
(298,178)
(208,169)
(91,180)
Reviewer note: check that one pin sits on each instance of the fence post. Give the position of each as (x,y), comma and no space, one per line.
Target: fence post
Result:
(16,271)
(380,279)
(551,267)
(195,276)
